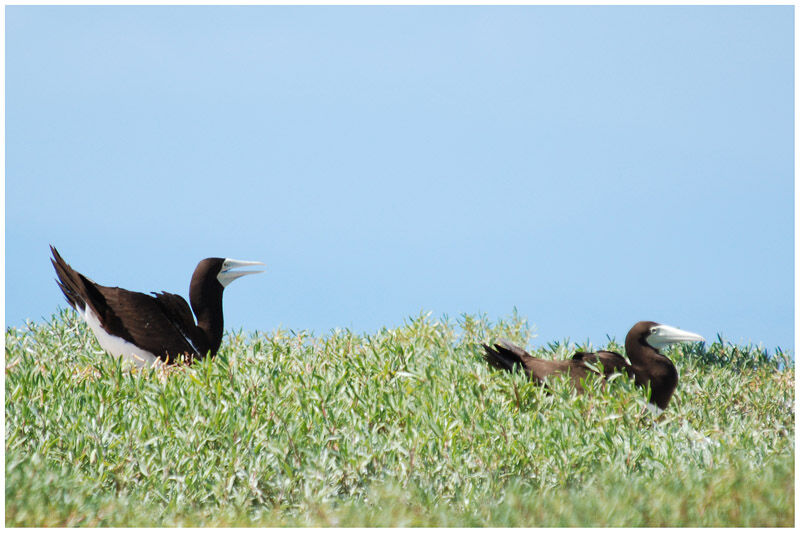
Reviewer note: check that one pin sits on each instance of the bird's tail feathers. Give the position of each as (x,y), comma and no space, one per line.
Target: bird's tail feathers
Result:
(68,280)
(503,355)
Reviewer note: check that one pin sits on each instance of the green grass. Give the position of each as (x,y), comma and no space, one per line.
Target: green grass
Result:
(401,427)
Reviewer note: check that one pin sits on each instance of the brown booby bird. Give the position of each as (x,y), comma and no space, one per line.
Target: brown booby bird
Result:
(647,365)
(146,329)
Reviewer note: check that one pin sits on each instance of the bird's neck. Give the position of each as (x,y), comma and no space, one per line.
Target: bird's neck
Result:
(644,354)
(651,366)
(208,310)
(213,327)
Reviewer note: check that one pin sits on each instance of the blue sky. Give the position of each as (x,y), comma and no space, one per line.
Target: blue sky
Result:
(592,166)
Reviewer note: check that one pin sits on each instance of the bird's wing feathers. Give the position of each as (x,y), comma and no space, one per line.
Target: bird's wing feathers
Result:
(611,361)
(162,324)
(147,322)
(180,314)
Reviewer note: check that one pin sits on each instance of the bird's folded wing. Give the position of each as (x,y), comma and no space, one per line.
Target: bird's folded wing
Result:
(179,312)
(147,322)
(611,361)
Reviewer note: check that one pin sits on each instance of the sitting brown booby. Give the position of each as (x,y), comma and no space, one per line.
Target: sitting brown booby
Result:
(647,365)
(146,329)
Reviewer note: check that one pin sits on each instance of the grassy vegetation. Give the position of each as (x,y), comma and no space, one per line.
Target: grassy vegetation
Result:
(402,427)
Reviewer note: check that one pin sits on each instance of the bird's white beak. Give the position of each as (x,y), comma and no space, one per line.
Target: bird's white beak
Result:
(662,336)
(225,275)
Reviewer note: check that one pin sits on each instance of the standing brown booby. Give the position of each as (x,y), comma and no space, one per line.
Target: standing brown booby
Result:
(146,329)
(647,365)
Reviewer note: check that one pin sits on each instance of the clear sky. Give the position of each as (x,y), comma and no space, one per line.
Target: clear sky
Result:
(592,166)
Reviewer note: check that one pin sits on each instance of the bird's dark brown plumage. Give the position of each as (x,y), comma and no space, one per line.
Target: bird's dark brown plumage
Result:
(647,366)
(161,324)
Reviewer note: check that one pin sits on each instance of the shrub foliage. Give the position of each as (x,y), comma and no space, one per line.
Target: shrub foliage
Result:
(401,427)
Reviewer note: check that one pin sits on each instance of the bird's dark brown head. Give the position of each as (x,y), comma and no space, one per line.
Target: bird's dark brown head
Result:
(207,270)
(655,335)
(650,367)
(205,292)
(639,332)
(211,277)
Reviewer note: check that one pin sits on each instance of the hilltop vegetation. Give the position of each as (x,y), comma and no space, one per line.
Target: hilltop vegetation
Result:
(401,427)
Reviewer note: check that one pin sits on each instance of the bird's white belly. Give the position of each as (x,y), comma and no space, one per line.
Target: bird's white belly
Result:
(117,346)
